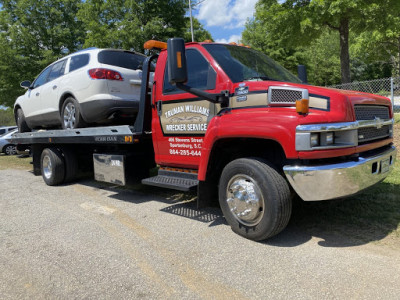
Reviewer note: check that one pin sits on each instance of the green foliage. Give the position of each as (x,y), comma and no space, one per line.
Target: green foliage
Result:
(33,34)
(7,117)
(293,26)
(322,59)
(256,34)
(200,34)
(129,24)
(379,43)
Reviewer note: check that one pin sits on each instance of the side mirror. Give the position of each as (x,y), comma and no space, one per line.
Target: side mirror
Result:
(25,84)
(177,69)
(302,73)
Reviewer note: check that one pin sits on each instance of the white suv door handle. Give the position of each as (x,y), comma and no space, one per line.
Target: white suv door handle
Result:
(54,87)
(37,94)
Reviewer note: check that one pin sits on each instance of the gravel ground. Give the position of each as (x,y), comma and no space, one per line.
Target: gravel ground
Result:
(96,241)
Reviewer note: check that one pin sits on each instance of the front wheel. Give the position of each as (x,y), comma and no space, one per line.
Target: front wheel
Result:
(255,199)
(21,122)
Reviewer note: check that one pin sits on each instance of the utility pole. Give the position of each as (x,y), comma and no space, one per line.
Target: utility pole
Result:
(191,20)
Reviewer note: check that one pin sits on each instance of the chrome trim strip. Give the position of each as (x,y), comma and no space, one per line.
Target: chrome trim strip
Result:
(343,126)
(326,182)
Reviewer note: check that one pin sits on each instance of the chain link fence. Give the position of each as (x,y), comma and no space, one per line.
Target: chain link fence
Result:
(388,87)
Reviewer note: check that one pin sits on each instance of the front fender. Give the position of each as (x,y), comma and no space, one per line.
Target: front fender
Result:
(249,124)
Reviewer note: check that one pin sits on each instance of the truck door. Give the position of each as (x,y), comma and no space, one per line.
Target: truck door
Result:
(180,119)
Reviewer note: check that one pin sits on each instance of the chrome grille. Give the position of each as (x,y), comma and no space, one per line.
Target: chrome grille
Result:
(370,112)
(372,133)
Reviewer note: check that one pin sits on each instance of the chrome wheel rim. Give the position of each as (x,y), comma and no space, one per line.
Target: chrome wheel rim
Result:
(47,172)
(10,150)
(69,116)
(245,200)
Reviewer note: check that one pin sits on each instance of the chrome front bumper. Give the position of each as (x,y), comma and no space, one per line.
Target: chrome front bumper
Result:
(326,182)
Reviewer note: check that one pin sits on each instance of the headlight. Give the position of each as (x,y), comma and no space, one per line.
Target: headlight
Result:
(314,139)
(329,138)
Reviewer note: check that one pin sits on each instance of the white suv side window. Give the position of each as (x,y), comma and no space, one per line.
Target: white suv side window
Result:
(78,61)
(42,78)
(57,70)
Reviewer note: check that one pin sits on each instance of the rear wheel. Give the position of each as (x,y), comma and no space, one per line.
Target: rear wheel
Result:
(10,150)
(255,199)
(21,122)
(52,166)
(71,115)
(71,164)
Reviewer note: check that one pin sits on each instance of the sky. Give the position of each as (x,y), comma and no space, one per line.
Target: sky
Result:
(225,19)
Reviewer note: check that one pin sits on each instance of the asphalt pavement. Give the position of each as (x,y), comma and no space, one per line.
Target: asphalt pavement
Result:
(97,241)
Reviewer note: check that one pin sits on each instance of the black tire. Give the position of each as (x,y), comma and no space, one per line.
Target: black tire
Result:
(269,205)
(71,116)
(21,122)
(52,166)
(10,150)
(71,165)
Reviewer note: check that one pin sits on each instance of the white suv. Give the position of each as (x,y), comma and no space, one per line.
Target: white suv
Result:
(89,86)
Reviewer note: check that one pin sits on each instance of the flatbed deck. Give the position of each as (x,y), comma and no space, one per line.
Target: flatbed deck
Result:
(122,134)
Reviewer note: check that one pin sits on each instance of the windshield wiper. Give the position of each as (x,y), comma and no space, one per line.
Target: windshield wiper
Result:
(261,77)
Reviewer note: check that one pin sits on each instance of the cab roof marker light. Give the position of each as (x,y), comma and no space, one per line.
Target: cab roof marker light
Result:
(152,44)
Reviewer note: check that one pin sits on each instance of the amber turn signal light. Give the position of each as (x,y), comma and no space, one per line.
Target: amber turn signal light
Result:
(179,59)
(302,107)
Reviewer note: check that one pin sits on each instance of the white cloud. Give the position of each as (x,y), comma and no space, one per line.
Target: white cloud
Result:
(233,38)
(226,13)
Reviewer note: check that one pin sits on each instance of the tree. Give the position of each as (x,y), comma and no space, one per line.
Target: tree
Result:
(128,24)
(7,117)
(380,42)
(301,22)
(32,35)
(256,34)
(200,34)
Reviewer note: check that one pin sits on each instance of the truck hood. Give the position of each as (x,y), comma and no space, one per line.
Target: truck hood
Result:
(326,104)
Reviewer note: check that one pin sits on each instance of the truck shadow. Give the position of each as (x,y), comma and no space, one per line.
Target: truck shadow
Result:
(367,217)
(179,203)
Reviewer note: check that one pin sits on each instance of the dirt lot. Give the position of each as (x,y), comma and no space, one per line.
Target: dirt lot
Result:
(95,240)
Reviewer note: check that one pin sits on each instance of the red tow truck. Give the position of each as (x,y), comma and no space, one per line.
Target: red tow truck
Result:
(233,124)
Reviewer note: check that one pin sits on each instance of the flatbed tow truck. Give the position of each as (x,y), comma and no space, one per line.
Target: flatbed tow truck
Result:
(228,121)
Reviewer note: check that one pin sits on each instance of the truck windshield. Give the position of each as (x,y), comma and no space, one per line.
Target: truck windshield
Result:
(244,64)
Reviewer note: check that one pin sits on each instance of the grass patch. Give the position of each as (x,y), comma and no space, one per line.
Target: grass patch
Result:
(397,118)
(15,162)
